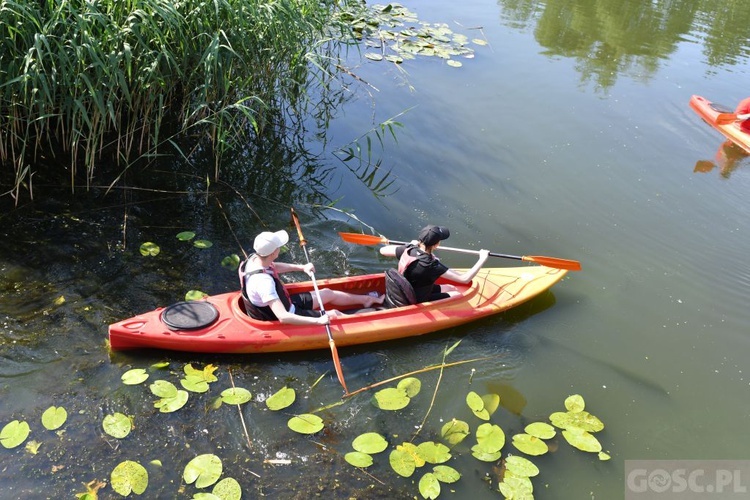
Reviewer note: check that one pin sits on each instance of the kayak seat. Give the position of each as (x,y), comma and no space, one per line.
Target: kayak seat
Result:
(398,290)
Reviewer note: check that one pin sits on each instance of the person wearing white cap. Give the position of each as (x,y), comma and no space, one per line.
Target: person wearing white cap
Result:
(265,297)
(421,268)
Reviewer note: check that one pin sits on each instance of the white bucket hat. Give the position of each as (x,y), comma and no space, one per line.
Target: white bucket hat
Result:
(266,242)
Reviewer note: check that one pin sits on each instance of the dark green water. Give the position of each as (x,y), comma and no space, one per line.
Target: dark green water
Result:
(569,135)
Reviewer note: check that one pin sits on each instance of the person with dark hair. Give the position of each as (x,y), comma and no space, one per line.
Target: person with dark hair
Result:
(266,299)
(421,268)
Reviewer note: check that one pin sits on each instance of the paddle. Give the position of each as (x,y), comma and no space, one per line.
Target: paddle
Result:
(366,239)
(727,118)
(331,342)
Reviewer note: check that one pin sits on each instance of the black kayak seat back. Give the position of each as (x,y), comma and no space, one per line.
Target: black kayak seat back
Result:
(189,315)
(398,290)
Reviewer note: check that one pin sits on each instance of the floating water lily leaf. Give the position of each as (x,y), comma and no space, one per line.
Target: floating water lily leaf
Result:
(575,403)
(207,373)
(228,489)
(374,56)
(171,404)
(478,452)
(531,445)
(490,437)
(129,476)
(14,433)
(236,396)
(194,383)
(434,453)
(429,486)
(33,447)
(306,424)
(160,365)
(410,385)
(453,63)
(370,442)
(582,440)
(202,495)
(134,376)
(520,466)
(117,425)
(54,417)
(580,420)
(203,470)
(202,244)
(491,402)
(195,295)
(446,474)
(454,431)
(163,389)
(604,456)
(402,461)
(476,405)
(150,249)
(542,430)
(231,261)
(358,459)
(516,487)
(391,399)
(283,398)
(479,41)
(185,236)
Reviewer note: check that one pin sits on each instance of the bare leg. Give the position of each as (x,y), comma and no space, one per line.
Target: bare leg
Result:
(343,299)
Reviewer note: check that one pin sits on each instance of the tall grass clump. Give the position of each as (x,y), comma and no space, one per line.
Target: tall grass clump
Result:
(87,85)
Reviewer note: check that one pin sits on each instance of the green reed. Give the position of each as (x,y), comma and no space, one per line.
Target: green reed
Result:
(109,82)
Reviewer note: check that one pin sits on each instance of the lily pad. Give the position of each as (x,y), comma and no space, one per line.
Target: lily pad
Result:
(185,236)
(604,456)
(228,489)
(478,452)
(476,405)
(402,462)
(446,474)
(391,399)
(370,442)
(195,295)
(582,420)
(520,466)
(306,423)
(207,373)
(491,402)
(358,459)
(134,376)
(172,404)
(434,453)
(574,403)
(149,249)
(163,389)
(14,433)
(542,430)
(283,398)
(117,425)
(129,476)
(231,261)
(203,470)
(54,417)
(194,383)
(236,396)
(202,244)
(429,486)
(490,437)
(410,385)
(531,445)
(454,431)
(582,440)
(516,487)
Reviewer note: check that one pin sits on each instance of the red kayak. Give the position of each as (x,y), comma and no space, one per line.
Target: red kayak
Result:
(219,324)
(722,119)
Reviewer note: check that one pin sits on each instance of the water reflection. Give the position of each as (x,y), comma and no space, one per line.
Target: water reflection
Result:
(608,38)
(728,158)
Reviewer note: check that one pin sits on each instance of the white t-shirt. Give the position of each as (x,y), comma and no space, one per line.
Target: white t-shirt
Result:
(261,290)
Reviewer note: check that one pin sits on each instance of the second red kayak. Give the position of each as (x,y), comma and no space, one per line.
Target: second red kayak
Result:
(721,118)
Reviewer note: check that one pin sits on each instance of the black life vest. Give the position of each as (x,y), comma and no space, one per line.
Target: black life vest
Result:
(262,313)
